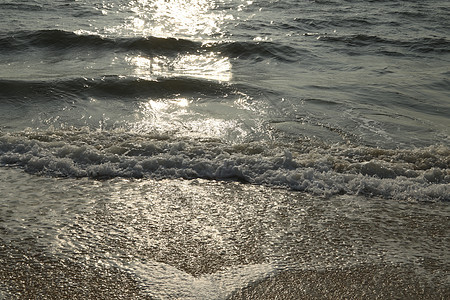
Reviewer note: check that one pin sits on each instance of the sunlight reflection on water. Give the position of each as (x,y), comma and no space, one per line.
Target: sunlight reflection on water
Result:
(193,20)
(210,66)
(176,116)
(176,18)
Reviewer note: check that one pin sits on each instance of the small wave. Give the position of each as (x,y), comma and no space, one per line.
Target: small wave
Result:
(59,40)
(423,45)
(21,6)
(330,23)
(63,40)
(109,86)
(354,40)
(413,15)
(320,169)
(257,50)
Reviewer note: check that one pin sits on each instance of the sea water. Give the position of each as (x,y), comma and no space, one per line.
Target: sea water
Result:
(216,149)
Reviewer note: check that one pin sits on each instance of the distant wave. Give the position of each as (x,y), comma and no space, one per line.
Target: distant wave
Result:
(421,174)
(22,6)
(58,40)
(305,23)
(423,45)
(257,50)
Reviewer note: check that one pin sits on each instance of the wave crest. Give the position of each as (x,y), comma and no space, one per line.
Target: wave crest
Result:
(59,40)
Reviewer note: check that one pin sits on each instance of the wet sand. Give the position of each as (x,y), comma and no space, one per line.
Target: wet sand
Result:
(38,279)
(365,282)
(199,239)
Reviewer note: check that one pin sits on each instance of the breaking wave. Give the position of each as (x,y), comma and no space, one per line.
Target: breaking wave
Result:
(421,174)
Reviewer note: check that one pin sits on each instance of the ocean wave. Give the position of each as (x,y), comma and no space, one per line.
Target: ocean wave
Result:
(59,40)
(110,86)
(63,40)
(257,50)
(304,23)
(320,169)
(22,6)
(422,45)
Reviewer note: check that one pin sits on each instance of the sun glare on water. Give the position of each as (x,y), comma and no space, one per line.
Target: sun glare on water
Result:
(180,19)
(209,66)
(195,21)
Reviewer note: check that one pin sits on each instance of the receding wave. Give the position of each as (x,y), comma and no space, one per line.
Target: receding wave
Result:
(110,86)
(421,174)
(58,40)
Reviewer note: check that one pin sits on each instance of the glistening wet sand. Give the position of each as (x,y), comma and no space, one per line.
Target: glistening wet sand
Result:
(199,239)
(364,282)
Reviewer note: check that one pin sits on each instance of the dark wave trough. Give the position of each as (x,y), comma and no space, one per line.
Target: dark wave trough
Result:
(422,45)
(111,86)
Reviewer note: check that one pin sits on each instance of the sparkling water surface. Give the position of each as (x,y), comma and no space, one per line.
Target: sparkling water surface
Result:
(224,149)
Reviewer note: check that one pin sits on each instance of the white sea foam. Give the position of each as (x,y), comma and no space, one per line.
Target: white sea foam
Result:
(317,168)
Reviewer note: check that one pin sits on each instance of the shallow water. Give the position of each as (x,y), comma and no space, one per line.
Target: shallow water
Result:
(202,239)
(373,71)
(224,149)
